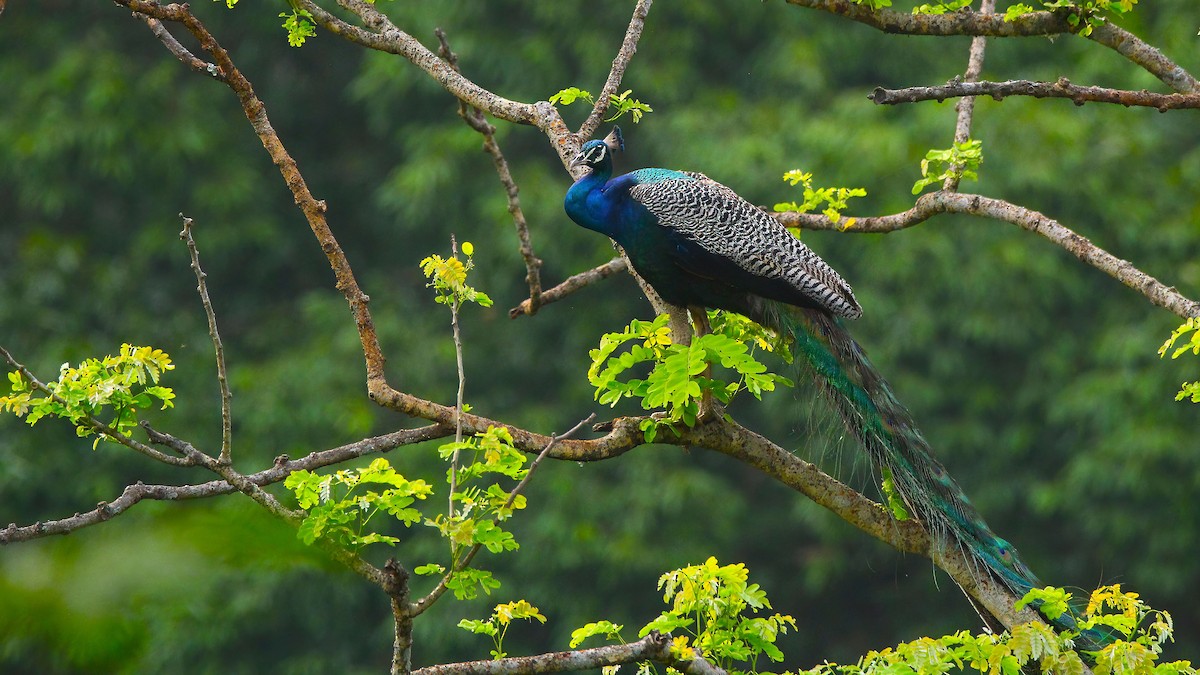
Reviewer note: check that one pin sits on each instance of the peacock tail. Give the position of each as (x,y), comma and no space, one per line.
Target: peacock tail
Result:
(886,431)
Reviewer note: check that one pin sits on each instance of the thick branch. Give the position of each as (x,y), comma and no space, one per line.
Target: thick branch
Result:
(934,203)
(851,506)
(382,35)
(1062,88)
(994,25)
(619,64)
(654,647)
(314,210)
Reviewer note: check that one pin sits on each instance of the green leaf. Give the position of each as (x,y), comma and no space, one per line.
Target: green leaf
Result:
(608,629)
(570,95)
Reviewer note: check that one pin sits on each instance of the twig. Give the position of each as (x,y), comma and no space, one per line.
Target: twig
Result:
(270,503)
(284,466)
(966,107)
(1033,24)
(931,204)
(572,284)
(189,59)
(654,647)
(474,117)
(92,422)
(458,401)
(426,602)
(222,377)
(1061,88)
(620,63)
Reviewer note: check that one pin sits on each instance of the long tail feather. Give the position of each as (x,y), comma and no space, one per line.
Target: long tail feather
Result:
(886,430)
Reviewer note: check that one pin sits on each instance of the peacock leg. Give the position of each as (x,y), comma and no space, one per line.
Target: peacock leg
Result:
(710,409)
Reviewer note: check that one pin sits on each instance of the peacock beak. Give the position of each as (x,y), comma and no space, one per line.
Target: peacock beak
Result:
(577,160)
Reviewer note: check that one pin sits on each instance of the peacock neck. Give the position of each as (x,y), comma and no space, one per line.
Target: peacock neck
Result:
(588,204)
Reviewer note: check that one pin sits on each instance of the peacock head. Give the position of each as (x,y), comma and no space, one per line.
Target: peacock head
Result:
(597,155)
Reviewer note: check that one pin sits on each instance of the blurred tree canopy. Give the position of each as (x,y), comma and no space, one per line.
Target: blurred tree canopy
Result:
(1035,377)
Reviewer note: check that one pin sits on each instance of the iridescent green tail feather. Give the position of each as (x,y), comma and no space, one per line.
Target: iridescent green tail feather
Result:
(886,430)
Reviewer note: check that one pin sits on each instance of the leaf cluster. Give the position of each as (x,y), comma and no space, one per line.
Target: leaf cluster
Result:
(680,375)
(496,626)
(448,278)
(339,506)
(710,603)
(834,198)
(1134,632)
(1082,15)
(125,383)
(1191,344)
(481,508)
(299,26)
(959,161)
(620,103)
(942,7)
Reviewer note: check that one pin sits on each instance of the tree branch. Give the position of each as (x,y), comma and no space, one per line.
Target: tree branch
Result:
(572,284)
(475,119)
(1061,88)
(931,204)
(268,501)
(190,60)
(619,64)
(283,466)
(654,647)
(966,107)
(1033,24)
(382,35)
(222,378)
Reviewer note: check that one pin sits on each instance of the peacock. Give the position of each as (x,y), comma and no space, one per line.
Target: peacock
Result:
(699,245)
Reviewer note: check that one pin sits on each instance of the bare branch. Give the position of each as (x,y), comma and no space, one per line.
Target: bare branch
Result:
(314,210)
(572,284)
(1062,88)
(994,25)
(931,204)
(222,377)
(1149,58)
(283,466)
(268,501)
(619,64)
(966,107)
(382,35)
(654,647)
(190,60)
(475,119)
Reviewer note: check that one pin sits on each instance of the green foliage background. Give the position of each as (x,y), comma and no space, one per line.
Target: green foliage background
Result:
(1033,376)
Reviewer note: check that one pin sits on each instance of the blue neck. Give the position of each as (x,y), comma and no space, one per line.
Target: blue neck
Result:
(587,205)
